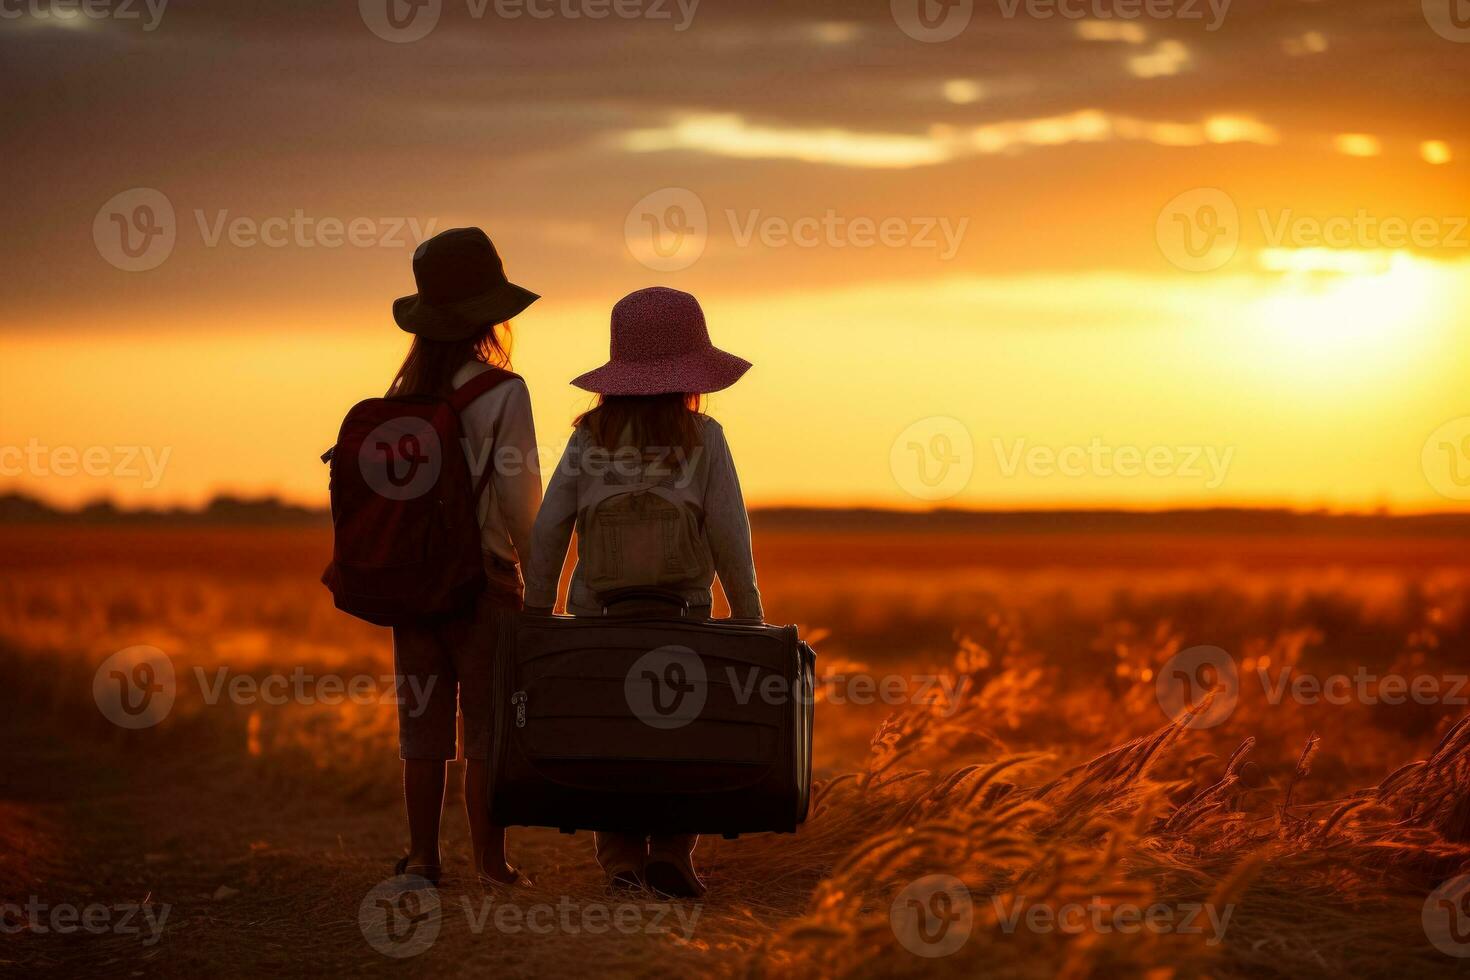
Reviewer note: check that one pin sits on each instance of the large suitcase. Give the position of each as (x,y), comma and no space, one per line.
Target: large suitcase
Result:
(652,723)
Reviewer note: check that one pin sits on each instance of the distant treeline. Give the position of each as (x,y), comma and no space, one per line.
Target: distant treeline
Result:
(227,510)
(1218,520)
(20,509)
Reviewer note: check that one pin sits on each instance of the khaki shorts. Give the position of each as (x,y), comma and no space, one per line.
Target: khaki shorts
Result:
(446,665)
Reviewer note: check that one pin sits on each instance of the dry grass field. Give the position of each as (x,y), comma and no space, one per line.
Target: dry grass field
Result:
(1002,788)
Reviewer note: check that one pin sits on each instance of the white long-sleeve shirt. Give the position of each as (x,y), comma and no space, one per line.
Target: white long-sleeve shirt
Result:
(501,418)
(714,489)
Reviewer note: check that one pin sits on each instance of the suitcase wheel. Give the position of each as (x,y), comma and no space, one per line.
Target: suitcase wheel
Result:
(730,836)
(569,830)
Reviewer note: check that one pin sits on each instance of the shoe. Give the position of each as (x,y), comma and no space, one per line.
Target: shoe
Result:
(428,872)
(621,857)
(670,871)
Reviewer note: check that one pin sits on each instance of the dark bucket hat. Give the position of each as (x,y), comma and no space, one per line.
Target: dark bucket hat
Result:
(660,345)
(462,287)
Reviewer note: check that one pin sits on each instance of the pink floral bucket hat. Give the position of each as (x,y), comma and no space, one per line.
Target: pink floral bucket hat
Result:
(660,345)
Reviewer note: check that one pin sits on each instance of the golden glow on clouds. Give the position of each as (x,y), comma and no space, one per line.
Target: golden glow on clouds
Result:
(1127,31)
(835,32)
(1312,42)
(1167,58)
(963,91)
(1358,145)
(731,135)
(1435,151)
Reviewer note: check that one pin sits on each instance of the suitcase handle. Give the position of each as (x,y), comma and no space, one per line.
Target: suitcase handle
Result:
(641,593)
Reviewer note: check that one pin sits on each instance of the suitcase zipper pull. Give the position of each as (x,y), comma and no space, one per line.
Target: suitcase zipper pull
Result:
(519,700)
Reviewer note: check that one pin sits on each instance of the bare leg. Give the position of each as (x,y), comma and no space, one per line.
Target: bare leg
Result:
(423,797)
(487,839)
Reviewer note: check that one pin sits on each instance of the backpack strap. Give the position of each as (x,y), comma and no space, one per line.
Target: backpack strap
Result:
(464,396)
(472,389)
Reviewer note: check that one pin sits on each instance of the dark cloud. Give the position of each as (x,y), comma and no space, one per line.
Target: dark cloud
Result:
(271,106)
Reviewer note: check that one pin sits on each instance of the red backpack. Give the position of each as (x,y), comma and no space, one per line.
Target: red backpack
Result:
(405,523)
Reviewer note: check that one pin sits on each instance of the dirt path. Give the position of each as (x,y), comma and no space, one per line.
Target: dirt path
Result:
(246,873)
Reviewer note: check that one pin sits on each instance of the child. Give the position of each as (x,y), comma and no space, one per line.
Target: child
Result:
(458,319)
(649,484)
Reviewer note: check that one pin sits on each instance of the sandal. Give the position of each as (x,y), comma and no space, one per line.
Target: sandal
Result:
(519,879)
(428,872)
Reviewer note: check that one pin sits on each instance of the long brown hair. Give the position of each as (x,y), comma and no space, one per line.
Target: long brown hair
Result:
(646,421)
(430,365)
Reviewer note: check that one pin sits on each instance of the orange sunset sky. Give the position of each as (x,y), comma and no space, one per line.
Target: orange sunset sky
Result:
(1241,240)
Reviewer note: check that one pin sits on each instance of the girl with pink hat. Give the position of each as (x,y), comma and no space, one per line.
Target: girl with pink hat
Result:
(648,482)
